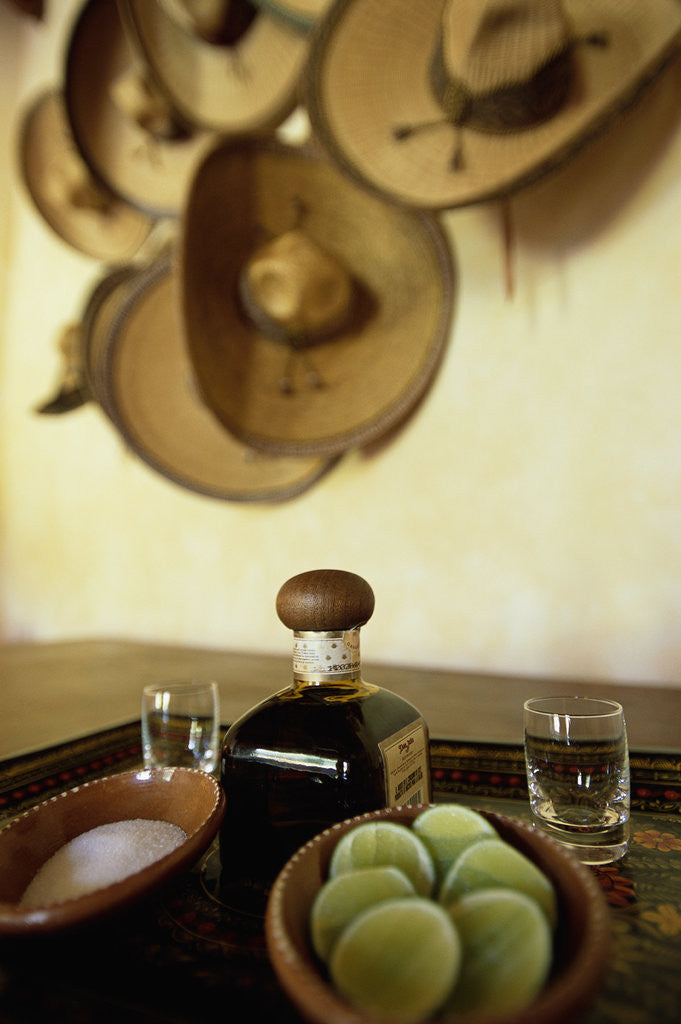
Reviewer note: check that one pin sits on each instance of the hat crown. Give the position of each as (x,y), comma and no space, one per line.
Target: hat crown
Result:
(488,44)
(205,17)
(217,22)
(141,102)
(291,286)
(69,182)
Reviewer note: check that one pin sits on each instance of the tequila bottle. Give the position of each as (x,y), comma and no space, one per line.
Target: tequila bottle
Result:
(327,747)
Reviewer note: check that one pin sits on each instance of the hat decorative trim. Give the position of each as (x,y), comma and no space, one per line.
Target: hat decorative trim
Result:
(508,108)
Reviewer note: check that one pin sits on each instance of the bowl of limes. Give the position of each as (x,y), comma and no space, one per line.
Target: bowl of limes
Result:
(437,913)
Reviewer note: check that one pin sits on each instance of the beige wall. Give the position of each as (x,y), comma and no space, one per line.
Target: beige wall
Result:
(528,520)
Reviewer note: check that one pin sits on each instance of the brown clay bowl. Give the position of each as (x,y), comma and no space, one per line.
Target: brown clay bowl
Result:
(183,796)
(581,946)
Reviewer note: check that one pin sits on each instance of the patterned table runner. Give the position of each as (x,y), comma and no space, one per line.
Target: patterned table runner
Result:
(185,957)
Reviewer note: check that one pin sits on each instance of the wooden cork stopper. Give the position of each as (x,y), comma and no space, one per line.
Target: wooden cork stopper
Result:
(325,599)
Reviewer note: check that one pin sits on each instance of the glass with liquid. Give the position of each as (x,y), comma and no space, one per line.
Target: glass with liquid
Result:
(181,725)
(577,762)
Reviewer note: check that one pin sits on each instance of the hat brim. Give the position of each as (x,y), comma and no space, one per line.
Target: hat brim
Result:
(149,173)
(113,231)
(101,309)
(368,75)
(248,87)
(302,13)
(147,389)
(375,371)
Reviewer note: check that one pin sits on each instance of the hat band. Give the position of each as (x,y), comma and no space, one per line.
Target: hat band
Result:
(500,111)
(511,108)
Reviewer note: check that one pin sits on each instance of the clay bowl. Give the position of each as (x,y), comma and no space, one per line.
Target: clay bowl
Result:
(581,946)
(183,796)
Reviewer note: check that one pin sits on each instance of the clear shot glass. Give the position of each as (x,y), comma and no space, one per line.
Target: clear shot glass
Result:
(577,762)
(181,725)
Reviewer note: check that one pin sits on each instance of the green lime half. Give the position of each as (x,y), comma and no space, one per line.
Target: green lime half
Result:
(446,830)
(398,960)
(380,843)
(491,863)
(342,898)
(507,951)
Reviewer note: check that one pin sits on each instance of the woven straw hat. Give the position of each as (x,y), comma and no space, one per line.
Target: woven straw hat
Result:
(141,375)
(316,313)
(81,211)
(125,129)
(451,102)
(248,85)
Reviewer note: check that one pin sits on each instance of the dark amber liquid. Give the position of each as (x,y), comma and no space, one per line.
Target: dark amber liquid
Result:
(300,761)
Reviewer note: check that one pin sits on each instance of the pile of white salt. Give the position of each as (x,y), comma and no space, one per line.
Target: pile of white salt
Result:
(100,857)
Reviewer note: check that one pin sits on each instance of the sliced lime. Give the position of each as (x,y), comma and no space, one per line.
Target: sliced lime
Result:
(342,898)
(507,951)
(377,843)
(399,960)
(446,830)
(491,863)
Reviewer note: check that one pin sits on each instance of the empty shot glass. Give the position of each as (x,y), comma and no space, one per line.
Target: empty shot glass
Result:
(577,762)
(181,725)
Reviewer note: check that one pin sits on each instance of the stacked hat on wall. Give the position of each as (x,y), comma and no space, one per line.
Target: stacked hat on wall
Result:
(268,305)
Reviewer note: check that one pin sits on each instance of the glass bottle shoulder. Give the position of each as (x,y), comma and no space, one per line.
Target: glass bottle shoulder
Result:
(340,716)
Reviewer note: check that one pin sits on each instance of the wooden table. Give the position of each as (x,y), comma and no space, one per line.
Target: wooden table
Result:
(54,692)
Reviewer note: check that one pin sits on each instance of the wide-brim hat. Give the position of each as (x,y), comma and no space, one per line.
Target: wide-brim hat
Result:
(379,107)
(140,373)
(81,211)
(250,85)
(148,169)
(352,385)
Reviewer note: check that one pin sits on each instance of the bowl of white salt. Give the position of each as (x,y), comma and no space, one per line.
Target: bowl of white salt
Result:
(103,845)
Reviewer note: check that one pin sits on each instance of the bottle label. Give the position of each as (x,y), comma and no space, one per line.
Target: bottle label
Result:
(327,655)
(406,759)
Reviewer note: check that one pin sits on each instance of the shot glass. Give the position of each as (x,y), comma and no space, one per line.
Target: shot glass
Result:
(577,762)
(181,725)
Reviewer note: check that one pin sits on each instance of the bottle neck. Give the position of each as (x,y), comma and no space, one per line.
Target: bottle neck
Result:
(326,657)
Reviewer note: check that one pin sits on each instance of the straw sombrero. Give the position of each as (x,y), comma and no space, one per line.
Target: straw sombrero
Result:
(124,128)
(442,103)
(316,312)
(82,212)
(247,85)
(144,381)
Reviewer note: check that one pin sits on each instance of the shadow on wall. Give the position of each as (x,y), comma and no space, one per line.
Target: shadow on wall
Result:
(578,201)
